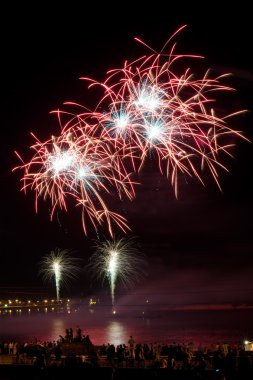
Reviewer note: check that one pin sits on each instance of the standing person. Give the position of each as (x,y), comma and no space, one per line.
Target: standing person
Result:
(67,335)
(131,343)
(70,335)
(78,334)
(88,343)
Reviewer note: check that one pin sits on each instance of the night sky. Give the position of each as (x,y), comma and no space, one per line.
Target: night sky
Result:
(199,247)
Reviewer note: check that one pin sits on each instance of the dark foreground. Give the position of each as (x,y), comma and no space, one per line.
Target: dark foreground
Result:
(76,360)
(28,372)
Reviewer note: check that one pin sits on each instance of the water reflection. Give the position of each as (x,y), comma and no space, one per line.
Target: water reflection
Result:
(48,322)
(26,311)
(115,332)
(57,328)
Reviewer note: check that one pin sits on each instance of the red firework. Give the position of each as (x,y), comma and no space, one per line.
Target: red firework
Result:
(146,110)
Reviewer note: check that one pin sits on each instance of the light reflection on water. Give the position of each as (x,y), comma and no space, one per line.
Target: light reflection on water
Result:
(116,333)
(57,328)
(103,327)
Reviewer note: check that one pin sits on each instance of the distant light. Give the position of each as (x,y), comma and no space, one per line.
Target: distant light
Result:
(114,312)
(92,302)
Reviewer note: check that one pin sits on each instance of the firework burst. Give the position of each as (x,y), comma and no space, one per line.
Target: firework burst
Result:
(117,261)
(147,110)
(154,112)
(75,167)
(60,267)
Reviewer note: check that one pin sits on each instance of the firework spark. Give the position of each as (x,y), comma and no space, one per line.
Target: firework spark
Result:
(60,267)
(117,261)
(147,110)
(80,168)
(154,112)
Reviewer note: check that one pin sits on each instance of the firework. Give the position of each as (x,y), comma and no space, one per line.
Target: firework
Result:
(77,169)
(154,112)
(117,261)
(147,110)
(60,267)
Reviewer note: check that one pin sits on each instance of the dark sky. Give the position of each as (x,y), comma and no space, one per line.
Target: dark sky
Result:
(199,246)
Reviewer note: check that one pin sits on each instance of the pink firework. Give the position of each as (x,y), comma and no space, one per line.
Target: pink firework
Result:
(152,111)
(146,110)
(79,167)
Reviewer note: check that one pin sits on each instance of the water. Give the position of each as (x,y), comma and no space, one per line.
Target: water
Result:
(204,327)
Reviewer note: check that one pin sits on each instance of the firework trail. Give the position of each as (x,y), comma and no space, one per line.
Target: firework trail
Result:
(147,110)
(117,261)
(59,266)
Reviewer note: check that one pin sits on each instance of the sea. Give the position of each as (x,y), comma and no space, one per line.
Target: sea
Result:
(204,325)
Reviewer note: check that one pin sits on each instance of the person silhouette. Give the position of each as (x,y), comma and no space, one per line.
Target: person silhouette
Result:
(131,343)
